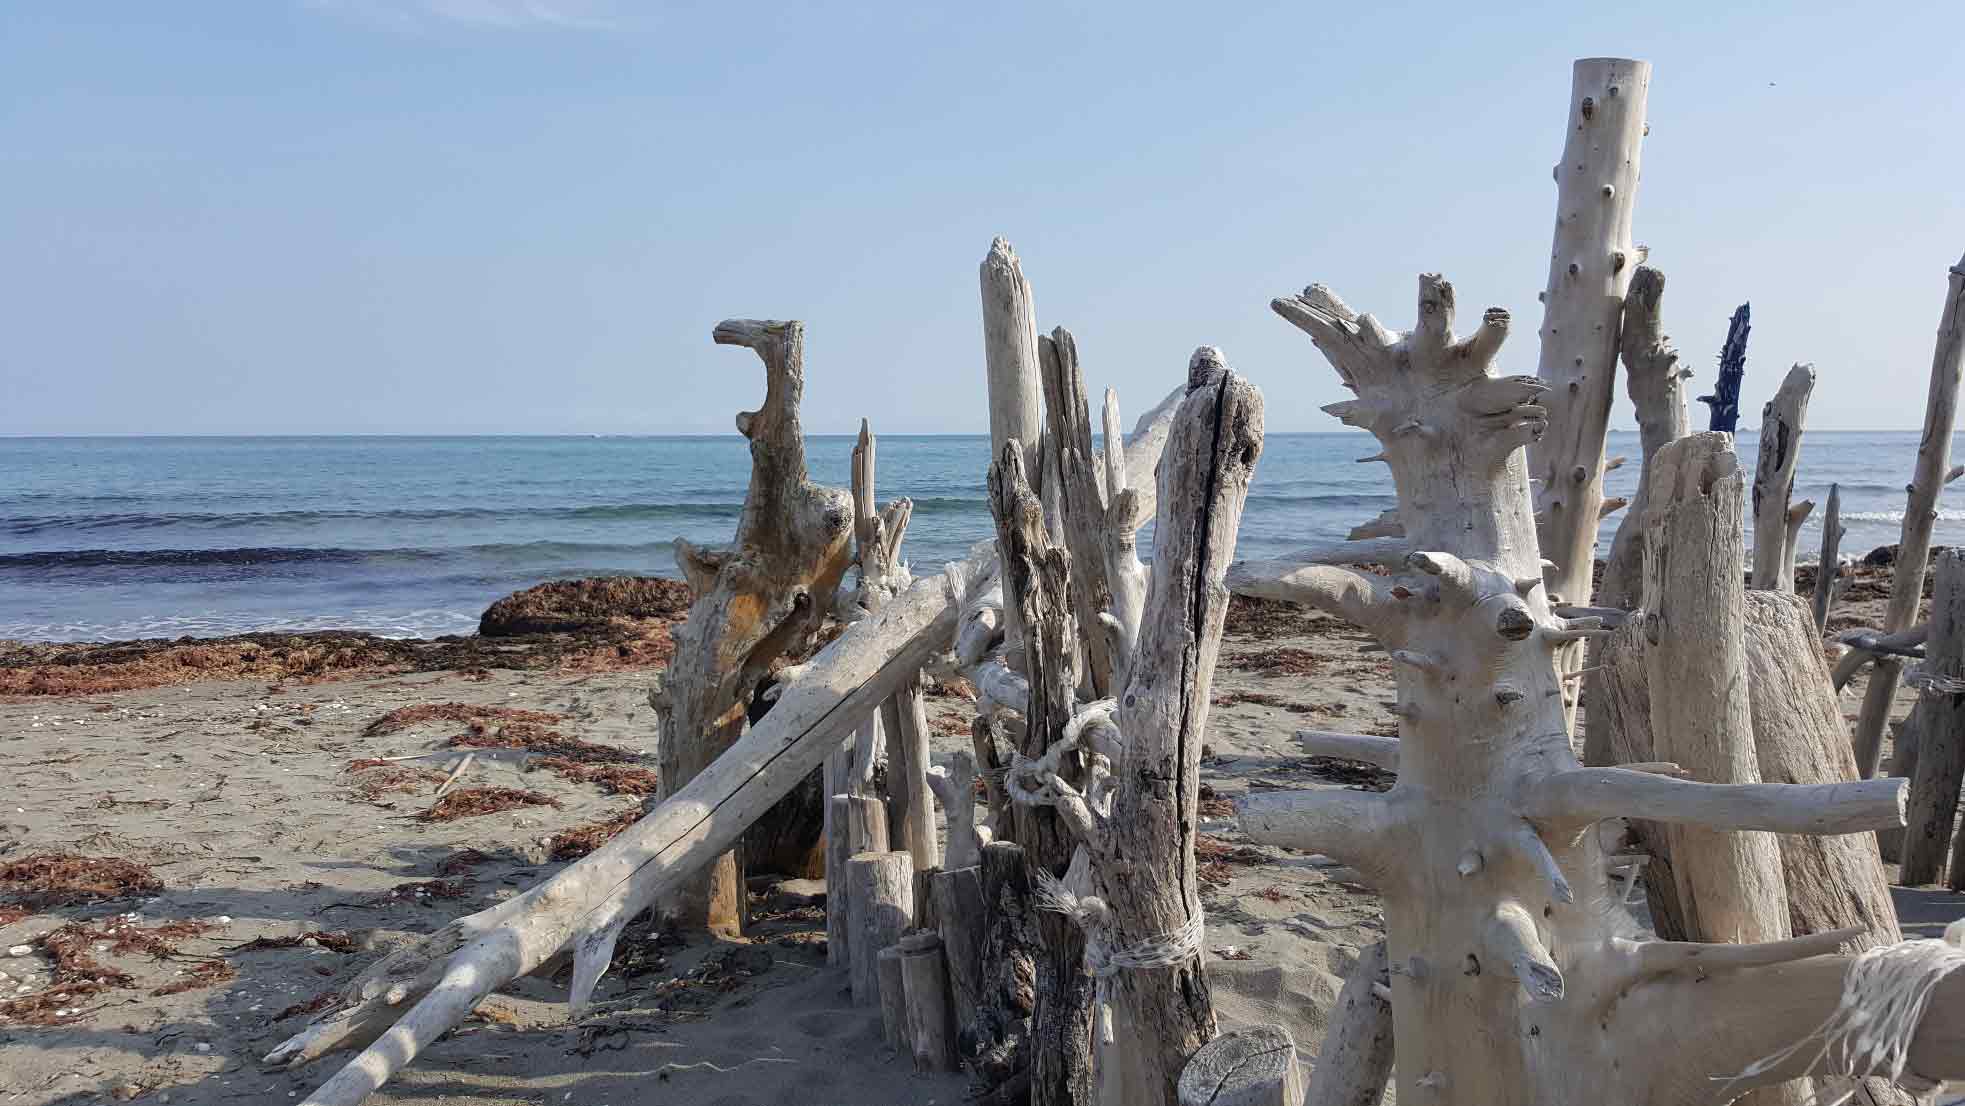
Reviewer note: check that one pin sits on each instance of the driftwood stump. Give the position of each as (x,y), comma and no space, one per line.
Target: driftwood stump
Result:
(761,599)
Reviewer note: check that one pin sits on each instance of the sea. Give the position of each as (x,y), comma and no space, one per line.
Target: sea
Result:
(105,539)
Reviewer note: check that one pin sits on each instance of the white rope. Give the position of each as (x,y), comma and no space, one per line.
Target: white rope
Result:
(1103,962)
(1884,998)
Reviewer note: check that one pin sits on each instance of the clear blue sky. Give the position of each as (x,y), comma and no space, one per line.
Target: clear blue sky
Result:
(389,216)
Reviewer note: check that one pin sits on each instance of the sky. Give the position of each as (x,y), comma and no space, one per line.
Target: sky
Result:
(526,216)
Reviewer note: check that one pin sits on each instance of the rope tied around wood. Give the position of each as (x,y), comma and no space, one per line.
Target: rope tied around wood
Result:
(1103,962)
(1884,998)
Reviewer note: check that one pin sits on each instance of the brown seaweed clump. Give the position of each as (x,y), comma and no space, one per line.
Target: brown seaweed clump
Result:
(472,802)
(584,606)
(1277,661)
(61,879)
(577,842)
(79,975)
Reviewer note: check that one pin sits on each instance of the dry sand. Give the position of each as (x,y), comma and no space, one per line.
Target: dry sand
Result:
(237,795)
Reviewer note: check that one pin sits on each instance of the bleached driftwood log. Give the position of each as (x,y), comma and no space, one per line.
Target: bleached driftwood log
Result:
(766,595)
(411,997)
(839,847)
(1485,843)
(1920,515)
(1701,716)
(1941,746)
(1079,499)
(1363,748)
(880,905)
(1016,404)
(877,533)
(866,826)
(1251,1066)
(1590,267)
(1656,385)
(930,1025)
(1828,568)
(1355,1062)
(1781,422)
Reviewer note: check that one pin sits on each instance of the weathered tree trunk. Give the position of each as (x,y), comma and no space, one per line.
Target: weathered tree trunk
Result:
(1657,389)
(1725,400)
(960,916)
(1701,716)
(1070,430)
(1484,851)
(1016,404)
(910,804)
(1355,1063)
(1010,949)
(1828,570)
(1773,480)
(1920,515)
(758,601)
(1590,267)
(417,994)
(1941,743)
(893,999)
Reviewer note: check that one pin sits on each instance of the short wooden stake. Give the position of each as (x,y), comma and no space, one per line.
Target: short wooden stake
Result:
(893,1001)
(1252,1066)
(930,1030)
(880,887)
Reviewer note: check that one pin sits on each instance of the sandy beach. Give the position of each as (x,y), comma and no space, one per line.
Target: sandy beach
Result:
(269,851)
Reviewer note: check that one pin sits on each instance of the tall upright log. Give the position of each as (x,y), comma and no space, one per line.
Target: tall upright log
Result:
(1701,716)
(1016,410)
(1920,515)
(1069,428)
(765,597)
(1828,566)
(1001,1046)
(1656,385)
(1773,481)
(1941,750)
(910,802)
(1724,403)
(1590,267)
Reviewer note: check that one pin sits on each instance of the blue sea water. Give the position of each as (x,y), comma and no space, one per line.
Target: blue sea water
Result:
(115,538)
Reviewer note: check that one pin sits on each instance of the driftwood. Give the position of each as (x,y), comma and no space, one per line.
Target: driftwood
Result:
(930,1029)
(1773,481)
(1941,742)
(954,785)
(1828,566)
(1001,1050)
(1355,1062)
(1486,843)
(765,596)
(910,804)
(411,997)
(960,917)
(893,999)
(1656,385)
(1252,1066)
(1920,515)
(880,902)
(866,825)
(1724,403)
(1590,268)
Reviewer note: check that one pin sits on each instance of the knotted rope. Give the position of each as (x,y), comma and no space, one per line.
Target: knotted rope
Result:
(1884,998)
(1104,962)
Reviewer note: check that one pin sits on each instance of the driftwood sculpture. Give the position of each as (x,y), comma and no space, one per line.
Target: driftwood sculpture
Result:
(1725,400)
(1920,516)
(766,594)
(1515,976)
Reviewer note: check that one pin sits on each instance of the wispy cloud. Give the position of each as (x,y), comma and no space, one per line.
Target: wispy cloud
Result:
(499,15)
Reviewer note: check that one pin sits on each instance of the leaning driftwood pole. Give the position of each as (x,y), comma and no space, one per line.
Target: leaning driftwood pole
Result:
(411,997)
(1773,480)
(1828,569)
(754,603)
(1725,400)
(1941,750)
(1590,267)
(1486,844)
(1355,1062)
(1920,515)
